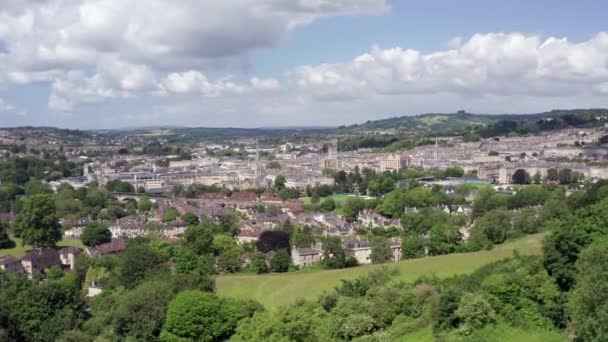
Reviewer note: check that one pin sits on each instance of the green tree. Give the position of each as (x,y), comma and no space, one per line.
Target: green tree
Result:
(258,263)
(190,218)
(36,187)
(588,301)
(137,262)
(281,261)
(352,206)
(565,176)
(381,250)
(37,222)
(199,239)
(198,316)
(95,234)
(5,241)
(412,246)
(552,175)
(145,204)
(474,312)
(171,214)
(537,178)
(328,204)
(520,176)
(495,225)
(279,182)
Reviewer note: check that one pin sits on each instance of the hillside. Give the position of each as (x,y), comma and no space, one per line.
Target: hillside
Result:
(273,290)
(461,121)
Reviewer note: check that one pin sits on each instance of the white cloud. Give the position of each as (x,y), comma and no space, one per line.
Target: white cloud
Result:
(122,47)
(75,88)
(265,83)
(160,33)
(495,63)
(196,82)
(5,107)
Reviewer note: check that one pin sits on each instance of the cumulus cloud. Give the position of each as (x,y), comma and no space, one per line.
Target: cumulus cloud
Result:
(196,82)
(5,107)
(122,47)
(494,63)
(180,34)
(265,84)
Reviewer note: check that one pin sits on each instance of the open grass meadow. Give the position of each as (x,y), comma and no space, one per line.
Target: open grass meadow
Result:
(18,251)
(273,290)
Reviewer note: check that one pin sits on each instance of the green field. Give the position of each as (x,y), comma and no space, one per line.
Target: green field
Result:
(273,290)
(19,251)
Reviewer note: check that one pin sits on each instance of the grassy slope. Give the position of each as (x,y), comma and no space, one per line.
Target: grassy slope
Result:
(19,251)
(273,290)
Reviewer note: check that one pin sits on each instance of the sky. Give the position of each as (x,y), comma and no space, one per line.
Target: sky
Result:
(95,64)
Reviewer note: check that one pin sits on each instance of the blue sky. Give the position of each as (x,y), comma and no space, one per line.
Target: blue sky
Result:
(249,63)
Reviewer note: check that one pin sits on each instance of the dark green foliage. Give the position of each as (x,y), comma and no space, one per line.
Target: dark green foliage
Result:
(171,214)
(588,300)
(119,186)
(520,176)
(352,206)
(412,246)
(138,261)
(281,261)
(95,234)
(258,263)
(273,241)
(381,250)
(199,238)
(5,241)
(327,204)
(190,218)
(37,223)
(198,316)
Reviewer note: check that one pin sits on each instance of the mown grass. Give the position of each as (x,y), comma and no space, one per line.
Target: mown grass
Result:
(273,290)
(18,251)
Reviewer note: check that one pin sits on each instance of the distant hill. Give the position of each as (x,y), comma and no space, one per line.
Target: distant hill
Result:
(462,121)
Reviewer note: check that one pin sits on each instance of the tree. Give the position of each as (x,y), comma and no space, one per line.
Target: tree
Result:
(5,241)
(138,261)
(279,182)
(315,198)
(36,187)
(302,237)
(552,174)
(412,246)
(589,299)
(328,204)
(37,223)
(199,239)
(381,250)
(275,165)
(190,218)
(281,261)
(144,204)
(537,178)
(495,225)
(565,176)
(119,186)
(198,316)
(171,214)
(95,234)
(474,312)
(520,176)
(352,206)
(453,172)
(272,240)
(258,263)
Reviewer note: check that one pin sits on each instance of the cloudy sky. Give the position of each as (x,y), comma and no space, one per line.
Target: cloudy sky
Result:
(251,63)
